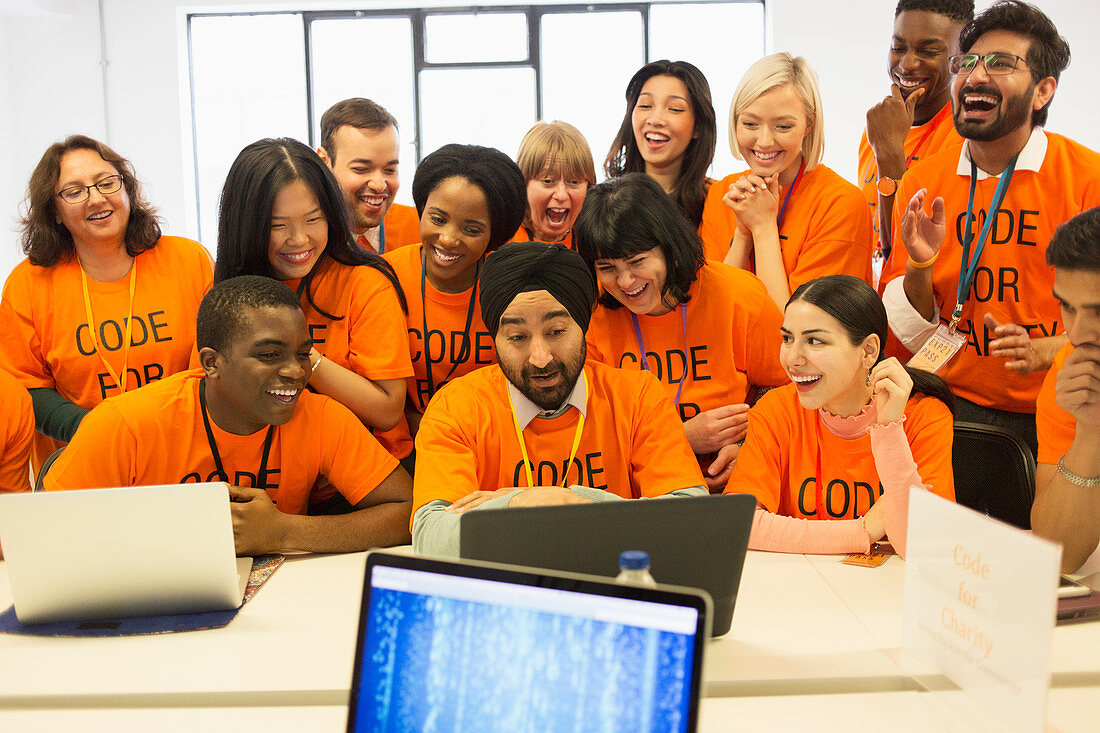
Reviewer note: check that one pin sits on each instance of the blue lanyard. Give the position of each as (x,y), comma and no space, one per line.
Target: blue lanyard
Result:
(382,237)
(968,267)
(787,197)
(641,348)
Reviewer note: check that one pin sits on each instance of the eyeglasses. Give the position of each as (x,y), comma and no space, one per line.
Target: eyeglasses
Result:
(996,64)
(77,194)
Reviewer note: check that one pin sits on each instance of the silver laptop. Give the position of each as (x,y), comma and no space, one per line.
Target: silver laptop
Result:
(117,553)
(452,645)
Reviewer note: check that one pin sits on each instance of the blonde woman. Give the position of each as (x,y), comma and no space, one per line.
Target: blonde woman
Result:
(557,166)
(788,218)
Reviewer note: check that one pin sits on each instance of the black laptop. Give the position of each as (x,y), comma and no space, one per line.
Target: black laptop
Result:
(699,542)
(461,646)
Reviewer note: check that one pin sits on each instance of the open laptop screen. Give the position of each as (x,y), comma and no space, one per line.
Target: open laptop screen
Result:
(498,650)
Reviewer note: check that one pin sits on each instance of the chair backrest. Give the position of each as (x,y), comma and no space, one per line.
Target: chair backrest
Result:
(994,473)
(46,464)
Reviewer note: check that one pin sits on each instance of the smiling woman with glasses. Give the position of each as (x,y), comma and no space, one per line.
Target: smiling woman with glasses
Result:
(103,303)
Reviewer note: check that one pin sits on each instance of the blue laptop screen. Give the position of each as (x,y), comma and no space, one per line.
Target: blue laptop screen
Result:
(451,653)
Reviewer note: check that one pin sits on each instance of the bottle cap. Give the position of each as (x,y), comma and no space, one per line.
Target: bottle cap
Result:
(634,560)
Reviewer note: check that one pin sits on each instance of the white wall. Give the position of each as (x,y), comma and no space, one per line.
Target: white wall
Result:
(50,83)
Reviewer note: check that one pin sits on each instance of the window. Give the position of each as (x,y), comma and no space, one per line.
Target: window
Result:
(479,76)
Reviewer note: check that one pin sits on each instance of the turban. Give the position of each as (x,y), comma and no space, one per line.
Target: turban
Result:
(523,267)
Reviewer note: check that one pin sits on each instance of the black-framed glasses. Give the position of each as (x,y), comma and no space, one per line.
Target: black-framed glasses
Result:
(77,194)
(996,64)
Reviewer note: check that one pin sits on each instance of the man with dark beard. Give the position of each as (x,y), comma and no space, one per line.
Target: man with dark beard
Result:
(543,426)
(973,285)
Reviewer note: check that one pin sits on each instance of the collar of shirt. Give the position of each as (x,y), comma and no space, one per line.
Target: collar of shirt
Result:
(1031,157)
(371,237)
(526,410)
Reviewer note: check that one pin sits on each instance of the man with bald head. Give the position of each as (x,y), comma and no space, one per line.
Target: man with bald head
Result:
(543,426)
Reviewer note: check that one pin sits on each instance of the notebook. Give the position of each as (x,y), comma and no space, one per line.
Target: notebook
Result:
(699,542)
(477,646)
(111,553)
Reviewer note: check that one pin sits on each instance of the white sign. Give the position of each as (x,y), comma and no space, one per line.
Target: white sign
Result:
(980,600)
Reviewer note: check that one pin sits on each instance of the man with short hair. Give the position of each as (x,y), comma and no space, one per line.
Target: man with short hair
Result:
(914,120)
(359,141)
(1067,482)
(1006,322)
(246,418)
(543,426)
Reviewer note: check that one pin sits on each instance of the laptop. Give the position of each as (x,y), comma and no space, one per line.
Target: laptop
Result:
(699,542)
(118,553)
(463,646)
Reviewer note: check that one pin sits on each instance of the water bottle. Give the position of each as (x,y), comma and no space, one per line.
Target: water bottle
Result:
(634,568)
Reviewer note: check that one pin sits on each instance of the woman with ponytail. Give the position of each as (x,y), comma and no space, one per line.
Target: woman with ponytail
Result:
(849,436)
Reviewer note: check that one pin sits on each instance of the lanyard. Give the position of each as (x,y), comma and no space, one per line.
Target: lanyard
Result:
(968,267)
(523,446)
(932,125)
(641,348)
(787,197)
(382,237)
(129,325)
(261,475)
(464,350)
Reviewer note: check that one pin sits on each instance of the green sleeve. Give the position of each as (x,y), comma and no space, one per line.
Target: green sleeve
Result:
(54,415)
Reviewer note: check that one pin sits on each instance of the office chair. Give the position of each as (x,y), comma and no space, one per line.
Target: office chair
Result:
(994,473)
(46,464)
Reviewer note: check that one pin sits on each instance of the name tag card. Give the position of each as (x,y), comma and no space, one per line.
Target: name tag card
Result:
(980,602)
(939,349)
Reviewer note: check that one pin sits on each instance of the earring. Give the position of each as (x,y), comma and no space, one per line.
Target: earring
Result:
(867,379)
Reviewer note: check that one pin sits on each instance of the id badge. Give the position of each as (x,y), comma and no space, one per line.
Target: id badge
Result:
(939,349)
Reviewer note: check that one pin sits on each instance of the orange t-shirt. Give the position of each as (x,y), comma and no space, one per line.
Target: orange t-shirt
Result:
(401,227)
(524,235)
(1055,427)
(368,336)
(1013,281)
(631,444)
(826,228)
(46,340)
(732,340)
(446,314)
(778,462)
(156,436)
(16,432)
(922,141)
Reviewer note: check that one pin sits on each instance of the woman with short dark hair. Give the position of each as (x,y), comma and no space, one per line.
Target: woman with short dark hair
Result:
(708,331)
(471,199)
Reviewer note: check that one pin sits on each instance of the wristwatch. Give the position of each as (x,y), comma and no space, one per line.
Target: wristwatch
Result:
(887,186)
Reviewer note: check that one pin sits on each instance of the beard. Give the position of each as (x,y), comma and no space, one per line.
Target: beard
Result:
(548,398)
(1016,113)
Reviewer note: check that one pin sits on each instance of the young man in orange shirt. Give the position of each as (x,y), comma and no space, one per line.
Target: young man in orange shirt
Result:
(914,120)
(1003,313)
(1067,500)
(246,418)
(359,141)
(542,426)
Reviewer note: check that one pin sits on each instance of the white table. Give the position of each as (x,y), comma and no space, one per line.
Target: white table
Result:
(875,596)
(1068,711)
(791,633)
(814,645)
